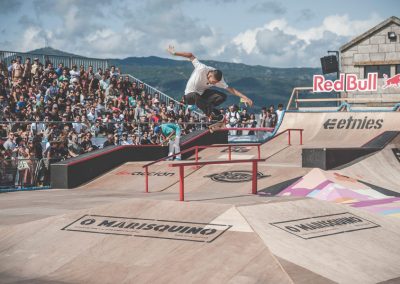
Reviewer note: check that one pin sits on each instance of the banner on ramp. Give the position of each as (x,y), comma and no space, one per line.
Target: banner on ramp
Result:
(321,226)
(149,228)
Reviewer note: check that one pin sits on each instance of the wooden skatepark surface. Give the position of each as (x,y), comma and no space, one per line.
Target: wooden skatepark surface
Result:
(254,249)
(363,256)
(41,251)
(380,168)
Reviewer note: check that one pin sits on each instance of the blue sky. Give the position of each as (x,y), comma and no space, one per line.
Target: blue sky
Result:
(271,33)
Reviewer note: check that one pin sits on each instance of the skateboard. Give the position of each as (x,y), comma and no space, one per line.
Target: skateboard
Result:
(215,126)
(166,142)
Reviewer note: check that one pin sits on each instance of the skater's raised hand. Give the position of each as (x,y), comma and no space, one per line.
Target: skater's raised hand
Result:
(171,49)
(247,102)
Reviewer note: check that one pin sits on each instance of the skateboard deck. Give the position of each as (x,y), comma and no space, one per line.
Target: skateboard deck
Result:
(215,126)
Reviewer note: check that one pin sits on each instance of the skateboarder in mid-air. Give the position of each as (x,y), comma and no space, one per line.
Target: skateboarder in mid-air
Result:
(198,90)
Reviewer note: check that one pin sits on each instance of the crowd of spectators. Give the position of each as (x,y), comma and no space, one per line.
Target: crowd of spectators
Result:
(56,112)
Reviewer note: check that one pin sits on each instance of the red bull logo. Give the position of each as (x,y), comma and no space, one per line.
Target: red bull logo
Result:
(391,82)
(346,83)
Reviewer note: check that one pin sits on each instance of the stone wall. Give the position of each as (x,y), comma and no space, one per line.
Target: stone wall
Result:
(374,50)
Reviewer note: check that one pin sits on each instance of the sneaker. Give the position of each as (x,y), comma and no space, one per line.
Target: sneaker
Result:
(178,159)
(216,118)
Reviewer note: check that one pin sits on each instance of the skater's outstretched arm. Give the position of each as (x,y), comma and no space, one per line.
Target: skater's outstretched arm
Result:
(235,92)
(171,50)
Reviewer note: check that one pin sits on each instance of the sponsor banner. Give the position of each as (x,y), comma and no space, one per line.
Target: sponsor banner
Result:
(353,123)
(351,83)
(148,228)
(327,225)
(345,83)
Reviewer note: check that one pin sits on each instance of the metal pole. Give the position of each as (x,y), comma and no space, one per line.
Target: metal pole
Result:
(181,183)
(259,151)
(197,154)
(289,137)
(146,174)
(301,137)
(254,181)
(230,154)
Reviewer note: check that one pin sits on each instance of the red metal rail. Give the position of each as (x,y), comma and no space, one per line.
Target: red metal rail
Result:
(204,163)
(269,130)
(289,136)
(266,129)
(196,149)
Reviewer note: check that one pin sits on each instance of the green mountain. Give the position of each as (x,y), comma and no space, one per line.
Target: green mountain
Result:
(53,52)
(264,85)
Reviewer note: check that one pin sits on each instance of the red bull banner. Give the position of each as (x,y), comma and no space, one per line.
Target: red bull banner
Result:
(351,83)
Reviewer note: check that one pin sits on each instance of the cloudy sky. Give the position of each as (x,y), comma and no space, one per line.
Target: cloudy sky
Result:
(286,33)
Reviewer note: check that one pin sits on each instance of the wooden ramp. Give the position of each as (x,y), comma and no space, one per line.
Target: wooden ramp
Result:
(339,243)
(142,241)
(381,168)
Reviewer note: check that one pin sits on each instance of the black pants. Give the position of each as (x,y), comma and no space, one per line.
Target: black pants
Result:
(207,101)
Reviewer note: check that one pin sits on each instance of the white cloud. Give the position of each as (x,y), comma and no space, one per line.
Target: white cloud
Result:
(143,28)
(279,44)
(32,38)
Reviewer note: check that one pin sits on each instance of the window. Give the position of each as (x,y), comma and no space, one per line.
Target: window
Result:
(380,69)
(397,68)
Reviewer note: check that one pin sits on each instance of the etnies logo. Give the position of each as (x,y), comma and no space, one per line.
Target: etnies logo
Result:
(351,123)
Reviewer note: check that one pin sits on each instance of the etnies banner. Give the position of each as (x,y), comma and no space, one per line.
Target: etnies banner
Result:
(353,123)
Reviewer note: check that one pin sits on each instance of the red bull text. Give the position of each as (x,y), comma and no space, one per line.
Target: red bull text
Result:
(346,83)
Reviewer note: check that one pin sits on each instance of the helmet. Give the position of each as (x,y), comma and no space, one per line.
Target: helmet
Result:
(157,129)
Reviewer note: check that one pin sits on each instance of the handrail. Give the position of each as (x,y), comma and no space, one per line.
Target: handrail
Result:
(289,130)
(67,60)
(350,99)
(228,145)
(200,147)
(203,163)
(197,147)
(267,129)
(295,91)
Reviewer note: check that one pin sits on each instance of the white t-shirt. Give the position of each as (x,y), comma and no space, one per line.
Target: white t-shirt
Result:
(279,113)
(74,74)
(198,82)
(77,126)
